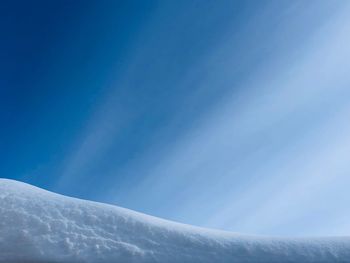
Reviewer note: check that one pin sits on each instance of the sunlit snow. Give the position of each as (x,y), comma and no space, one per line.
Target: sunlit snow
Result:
(40,226)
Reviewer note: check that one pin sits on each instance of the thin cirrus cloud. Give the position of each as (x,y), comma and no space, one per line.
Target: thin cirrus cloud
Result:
(269,156)
(304,181)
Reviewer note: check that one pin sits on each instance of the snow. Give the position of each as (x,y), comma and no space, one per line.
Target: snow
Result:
(40,226)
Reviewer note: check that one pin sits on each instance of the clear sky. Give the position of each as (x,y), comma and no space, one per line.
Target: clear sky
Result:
(225,114)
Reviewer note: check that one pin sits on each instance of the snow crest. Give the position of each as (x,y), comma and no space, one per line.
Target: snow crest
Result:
(40,226)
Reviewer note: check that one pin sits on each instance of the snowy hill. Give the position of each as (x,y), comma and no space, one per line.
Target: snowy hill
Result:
(40,226)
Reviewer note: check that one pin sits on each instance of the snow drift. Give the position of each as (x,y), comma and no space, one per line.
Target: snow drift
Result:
(40,226)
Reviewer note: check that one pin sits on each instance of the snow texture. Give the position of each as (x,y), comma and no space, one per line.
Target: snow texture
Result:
(40,226)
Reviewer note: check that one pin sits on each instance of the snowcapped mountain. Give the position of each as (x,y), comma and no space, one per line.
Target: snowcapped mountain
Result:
(40,226)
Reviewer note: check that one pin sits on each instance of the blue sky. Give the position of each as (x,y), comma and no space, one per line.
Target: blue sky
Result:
(224,114)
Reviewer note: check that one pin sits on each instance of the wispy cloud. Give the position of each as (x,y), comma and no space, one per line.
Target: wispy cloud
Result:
(263,151)
(270,151)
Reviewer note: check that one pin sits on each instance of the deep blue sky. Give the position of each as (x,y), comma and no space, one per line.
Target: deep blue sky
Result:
(226,114)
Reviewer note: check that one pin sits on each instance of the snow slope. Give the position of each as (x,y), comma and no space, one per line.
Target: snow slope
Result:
(40,226)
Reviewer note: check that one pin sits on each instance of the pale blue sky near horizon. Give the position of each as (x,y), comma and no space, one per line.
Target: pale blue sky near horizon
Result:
(223,114)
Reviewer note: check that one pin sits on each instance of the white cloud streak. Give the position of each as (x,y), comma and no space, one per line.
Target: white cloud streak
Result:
(261,161)
(264,159)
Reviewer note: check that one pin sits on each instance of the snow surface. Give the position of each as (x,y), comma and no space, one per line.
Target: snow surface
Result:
(40,226)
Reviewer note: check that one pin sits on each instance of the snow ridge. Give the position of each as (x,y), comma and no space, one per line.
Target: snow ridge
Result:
(40,226)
